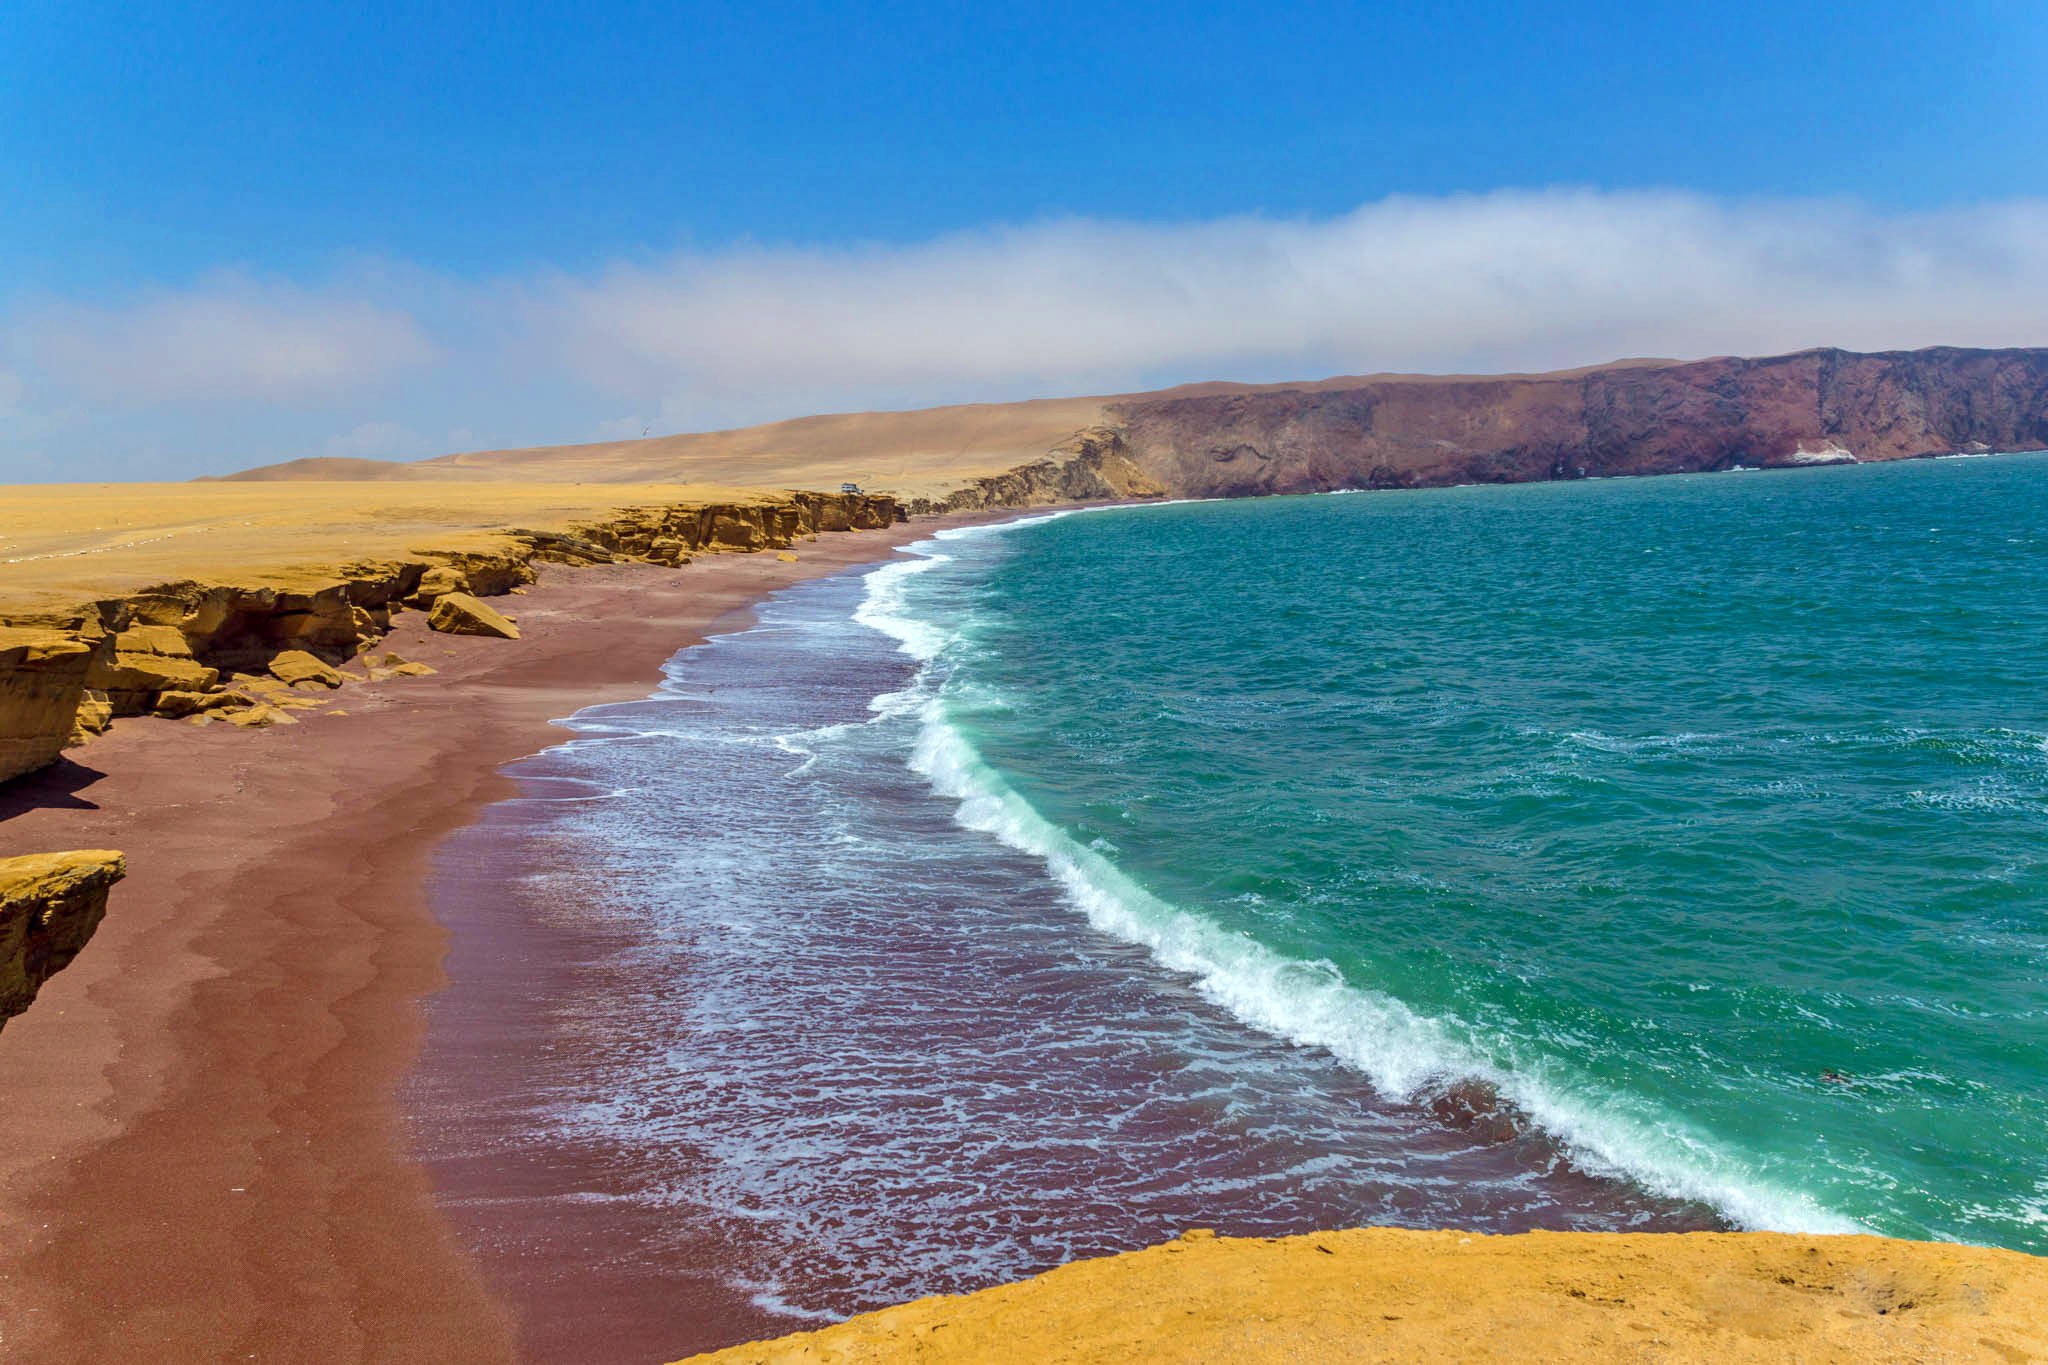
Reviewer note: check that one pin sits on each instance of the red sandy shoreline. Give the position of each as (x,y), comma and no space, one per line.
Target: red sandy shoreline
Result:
(202,1154)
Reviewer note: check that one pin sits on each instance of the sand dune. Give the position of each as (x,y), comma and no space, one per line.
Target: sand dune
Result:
(921,453)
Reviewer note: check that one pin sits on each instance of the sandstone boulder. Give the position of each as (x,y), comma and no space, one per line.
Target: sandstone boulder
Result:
(438,582)
(277,693)
(458,613)
(297,668)
(178,705)
(50,904)
(168,641)
(671,550)
(259,716)
(95,715)
(42,682)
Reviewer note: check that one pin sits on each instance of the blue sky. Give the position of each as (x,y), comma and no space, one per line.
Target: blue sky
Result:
(239,236)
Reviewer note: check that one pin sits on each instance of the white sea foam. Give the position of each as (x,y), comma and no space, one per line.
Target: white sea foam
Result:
(1405,1054)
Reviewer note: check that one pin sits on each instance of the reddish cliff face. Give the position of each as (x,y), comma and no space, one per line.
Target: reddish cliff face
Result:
(1635,419)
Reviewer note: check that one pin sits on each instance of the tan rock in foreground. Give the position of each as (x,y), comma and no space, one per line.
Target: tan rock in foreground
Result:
(50,903)
(458,613)
(1388,1294)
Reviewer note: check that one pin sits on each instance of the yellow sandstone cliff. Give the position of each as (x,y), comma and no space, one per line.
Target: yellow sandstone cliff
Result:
(1377,1294)
(202,648)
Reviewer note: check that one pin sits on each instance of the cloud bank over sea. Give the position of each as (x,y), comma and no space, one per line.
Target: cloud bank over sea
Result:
(383,359)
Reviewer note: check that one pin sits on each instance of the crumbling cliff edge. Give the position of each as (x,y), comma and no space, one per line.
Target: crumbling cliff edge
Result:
(250,653)
(1391,1294)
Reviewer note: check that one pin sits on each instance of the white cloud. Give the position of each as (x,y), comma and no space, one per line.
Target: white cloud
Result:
(620,428)
(228,338)
(379,441)
(1511,280)
(1522,280)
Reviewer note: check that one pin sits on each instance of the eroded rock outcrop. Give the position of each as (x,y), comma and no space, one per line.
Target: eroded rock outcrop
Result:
(673,535)
(210,651)
(50,904)
(42,686)
(1093,465)
(457,613)
(146,661)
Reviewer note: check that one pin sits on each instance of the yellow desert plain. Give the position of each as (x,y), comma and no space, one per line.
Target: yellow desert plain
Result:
(62,544)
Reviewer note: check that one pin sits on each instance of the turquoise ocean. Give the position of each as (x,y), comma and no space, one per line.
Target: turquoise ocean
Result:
(1657,853)
(1704,820)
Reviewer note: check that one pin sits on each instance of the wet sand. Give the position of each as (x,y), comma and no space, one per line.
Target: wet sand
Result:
(661,1278)
(202,1154)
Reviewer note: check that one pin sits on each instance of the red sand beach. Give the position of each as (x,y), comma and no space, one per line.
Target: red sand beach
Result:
(203,1152)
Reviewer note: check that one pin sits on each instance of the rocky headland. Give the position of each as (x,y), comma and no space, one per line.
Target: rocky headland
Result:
(1631,418)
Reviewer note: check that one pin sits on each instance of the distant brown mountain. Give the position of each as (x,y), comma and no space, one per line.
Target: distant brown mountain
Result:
(1378,431)
(1813,407)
